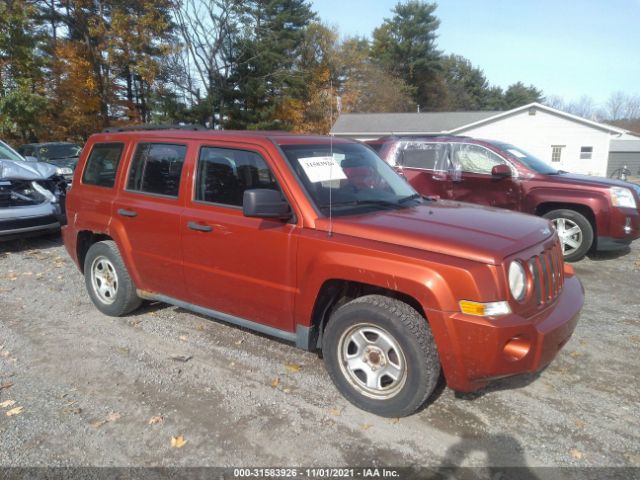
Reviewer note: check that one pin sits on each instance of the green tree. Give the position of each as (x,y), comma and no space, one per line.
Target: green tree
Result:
(404,46)
(518,94)
(467,87)
(265,74)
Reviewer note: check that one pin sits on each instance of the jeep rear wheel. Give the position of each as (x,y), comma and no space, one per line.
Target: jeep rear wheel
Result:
(107,280)
(575,233)
(381,356)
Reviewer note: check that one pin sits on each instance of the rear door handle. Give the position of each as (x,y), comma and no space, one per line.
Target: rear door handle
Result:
(198,227)
(127,213)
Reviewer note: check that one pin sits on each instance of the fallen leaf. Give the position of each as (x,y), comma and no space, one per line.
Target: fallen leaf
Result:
(155,420)
(393,421)
(6,385)
(579,424)
(73,410)
(239,342)
(575,354)
(275,382)
(181,358)
(286,390)
(292,367)
(183,338)
(178,442)
(366,426)
(14,411)
(336,412)
(98,423)
(200,327)
(7,403)
(575,453)
(112,417)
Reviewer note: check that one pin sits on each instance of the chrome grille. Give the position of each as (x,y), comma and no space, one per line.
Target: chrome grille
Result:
(547,273)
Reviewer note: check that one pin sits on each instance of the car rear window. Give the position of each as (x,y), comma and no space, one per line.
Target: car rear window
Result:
(156,168)
(102,164)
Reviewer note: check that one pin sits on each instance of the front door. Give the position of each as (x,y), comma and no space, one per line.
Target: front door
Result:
(234,264)
(476,184)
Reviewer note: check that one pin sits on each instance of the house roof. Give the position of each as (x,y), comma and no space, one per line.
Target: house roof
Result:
(353,124)
(404,123)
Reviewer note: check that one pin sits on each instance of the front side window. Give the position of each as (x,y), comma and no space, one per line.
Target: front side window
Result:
(156,168)
(349,178)
(102,164)
(425,156)
(586,153)
(474,158)
(224,174)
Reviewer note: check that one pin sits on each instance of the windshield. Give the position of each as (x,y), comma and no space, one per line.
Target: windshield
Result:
(351,176)
(8,153)
(529,160)
(52,152)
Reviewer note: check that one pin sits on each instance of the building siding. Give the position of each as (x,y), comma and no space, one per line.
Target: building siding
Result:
(538,133)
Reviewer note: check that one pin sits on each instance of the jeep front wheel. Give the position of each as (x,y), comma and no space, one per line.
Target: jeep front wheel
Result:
(381,356)
(107,280)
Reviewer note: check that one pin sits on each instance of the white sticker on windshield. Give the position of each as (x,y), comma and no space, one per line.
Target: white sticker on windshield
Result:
(322,169)
(515,152)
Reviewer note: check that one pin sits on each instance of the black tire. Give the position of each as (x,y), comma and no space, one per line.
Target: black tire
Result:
(586,232)
(412,336)
(123,298)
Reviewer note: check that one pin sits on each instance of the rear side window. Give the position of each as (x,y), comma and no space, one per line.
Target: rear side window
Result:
(224,174)
(102,164)
(426,156)
(156,168)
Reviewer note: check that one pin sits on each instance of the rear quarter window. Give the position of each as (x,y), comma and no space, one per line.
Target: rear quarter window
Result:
(102,164)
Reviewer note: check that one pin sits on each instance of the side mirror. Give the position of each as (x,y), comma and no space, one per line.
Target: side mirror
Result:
(265,203)
(501,171)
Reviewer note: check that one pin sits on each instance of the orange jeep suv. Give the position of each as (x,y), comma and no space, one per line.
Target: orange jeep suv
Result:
(317,241)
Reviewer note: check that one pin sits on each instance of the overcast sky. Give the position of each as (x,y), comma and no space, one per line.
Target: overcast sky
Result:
(568,48)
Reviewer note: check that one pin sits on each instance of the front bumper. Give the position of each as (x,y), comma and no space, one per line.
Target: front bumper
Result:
(479,350)
(624,227)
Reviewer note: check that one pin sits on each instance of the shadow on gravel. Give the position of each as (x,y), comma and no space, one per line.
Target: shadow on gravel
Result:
(31,243)
(504,459)
(603,256)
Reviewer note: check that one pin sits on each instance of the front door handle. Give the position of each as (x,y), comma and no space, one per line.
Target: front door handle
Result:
(127,213)
(198,227)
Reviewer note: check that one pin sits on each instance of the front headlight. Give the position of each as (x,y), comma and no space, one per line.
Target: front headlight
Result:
(517,280)
(622,197)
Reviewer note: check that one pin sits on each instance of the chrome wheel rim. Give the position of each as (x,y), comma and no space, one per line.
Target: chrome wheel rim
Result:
(570,235)
(372,361)
(104,280)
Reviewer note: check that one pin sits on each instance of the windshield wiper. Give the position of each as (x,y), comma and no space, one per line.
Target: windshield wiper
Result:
(414,196)
(368,202)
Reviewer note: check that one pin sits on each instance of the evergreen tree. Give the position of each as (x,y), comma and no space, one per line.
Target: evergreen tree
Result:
(518,94)
(405,47)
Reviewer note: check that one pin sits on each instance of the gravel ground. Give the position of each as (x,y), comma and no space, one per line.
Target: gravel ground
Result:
(90,385)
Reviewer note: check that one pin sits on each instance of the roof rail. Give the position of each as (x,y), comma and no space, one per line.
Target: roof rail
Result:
(135,128)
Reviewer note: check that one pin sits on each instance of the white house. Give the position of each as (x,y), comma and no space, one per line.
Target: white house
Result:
(564,140)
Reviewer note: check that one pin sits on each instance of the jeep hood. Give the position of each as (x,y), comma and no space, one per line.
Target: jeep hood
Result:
(462,230)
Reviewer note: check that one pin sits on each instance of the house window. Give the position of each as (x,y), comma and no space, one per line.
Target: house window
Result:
(556,153)
(586,153)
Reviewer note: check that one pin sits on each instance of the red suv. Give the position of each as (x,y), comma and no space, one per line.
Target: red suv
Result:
(319,242)
(587,212)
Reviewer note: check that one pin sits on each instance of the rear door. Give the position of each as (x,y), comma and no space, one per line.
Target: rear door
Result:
(234,264)
(476,184)
(426,166)
(149,207)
